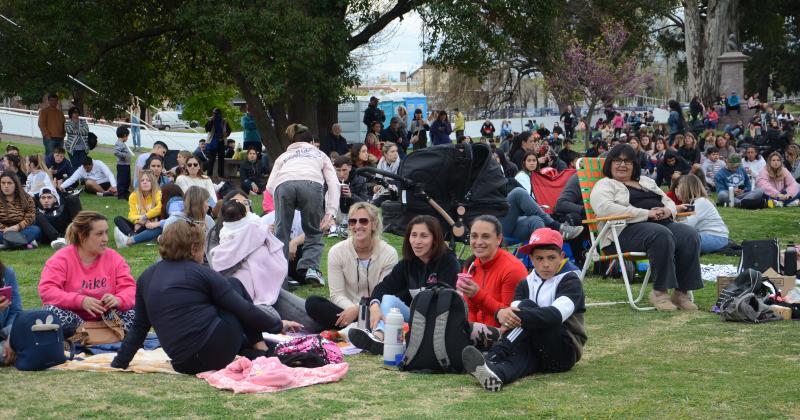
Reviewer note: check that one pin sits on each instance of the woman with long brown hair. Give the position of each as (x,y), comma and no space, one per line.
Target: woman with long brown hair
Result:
(778,184)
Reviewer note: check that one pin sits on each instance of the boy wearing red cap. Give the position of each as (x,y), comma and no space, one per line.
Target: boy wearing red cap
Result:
(544,324)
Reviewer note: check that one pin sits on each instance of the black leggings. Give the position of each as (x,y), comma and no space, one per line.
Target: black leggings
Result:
(323,311)
(229,338)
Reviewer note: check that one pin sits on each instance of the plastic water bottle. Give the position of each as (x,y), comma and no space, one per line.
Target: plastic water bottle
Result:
(393,338)
(731,195)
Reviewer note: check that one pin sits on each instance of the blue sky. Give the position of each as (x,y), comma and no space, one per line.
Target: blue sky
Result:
(398,48)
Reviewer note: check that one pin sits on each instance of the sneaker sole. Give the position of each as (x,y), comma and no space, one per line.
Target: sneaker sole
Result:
(362,340)
(475,365)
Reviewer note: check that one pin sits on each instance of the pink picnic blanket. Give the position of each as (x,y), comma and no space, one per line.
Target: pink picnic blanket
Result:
(268,374)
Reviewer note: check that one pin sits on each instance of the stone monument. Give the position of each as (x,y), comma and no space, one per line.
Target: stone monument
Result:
(731,65)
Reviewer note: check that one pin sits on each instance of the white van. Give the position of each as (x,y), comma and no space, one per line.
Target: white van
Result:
(168,120)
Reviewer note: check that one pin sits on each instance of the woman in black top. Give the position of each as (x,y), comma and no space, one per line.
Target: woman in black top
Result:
(426,262)
(672,248)
(202,319)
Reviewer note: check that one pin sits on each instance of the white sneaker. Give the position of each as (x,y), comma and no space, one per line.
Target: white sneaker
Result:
(794,203)
(570,232)
(120,238)
(58,243)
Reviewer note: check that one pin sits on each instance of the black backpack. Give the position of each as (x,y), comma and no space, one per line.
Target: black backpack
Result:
(437,333)
(760,255)
(747,282)
(92,140)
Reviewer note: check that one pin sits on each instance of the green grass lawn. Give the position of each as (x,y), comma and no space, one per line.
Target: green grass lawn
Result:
(635,365)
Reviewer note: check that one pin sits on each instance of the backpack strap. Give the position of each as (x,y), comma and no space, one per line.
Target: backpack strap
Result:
(440,328)
(417,331)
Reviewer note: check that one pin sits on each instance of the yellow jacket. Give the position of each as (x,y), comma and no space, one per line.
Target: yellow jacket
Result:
(133,205)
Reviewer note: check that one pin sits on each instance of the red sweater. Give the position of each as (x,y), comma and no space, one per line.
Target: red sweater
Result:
(66,281)
(497,280)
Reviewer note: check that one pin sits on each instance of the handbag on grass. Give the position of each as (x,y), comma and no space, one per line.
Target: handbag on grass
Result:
(104,331)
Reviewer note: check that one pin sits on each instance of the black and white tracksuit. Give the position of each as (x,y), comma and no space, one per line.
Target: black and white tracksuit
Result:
(552,335)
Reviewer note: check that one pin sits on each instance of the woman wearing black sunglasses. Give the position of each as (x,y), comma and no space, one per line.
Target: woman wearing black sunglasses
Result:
(355,267)
(195,177)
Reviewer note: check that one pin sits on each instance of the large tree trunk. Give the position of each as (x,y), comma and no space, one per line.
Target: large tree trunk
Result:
(719,24)
(705,42)
(327,115)
(303,110)
(694,42)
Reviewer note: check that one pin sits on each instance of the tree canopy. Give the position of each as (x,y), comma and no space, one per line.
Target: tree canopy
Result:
(290,59)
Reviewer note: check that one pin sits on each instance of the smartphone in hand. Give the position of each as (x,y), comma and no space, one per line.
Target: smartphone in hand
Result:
(6,292)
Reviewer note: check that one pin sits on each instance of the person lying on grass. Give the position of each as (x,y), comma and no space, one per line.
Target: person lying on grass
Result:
(202,319)
(426,262)
(544,324)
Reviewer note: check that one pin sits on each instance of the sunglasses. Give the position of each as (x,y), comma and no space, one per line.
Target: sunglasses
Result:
(192,165)
(363,221)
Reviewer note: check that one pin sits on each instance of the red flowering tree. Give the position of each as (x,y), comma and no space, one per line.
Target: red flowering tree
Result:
(596,73)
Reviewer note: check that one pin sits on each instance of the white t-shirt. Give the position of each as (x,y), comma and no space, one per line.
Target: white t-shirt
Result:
(297,225)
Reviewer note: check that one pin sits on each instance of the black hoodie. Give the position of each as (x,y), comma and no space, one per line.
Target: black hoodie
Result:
(665,171)
(410,277)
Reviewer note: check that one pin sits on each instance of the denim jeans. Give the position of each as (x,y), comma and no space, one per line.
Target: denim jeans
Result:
(785,202)
(711,243)
(146,235)
(51,143)
(524,216)
(391,301)
(31,233)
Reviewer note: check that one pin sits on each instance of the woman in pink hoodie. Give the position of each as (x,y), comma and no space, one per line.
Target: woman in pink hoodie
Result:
(778,184)
(86,280)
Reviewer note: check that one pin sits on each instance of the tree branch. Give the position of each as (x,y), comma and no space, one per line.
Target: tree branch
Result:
(402,7)
(122,41)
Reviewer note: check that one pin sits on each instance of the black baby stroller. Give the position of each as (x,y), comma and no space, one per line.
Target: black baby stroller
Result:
(453,183)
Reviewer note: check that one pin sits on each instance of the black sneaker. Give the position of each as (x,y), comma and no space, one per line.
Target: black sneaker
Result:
(365,341)
(476,365)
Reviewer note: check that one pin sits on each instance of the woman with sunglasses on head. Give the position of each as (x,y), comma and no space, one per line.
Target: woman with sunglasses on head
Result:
(195,177)
(355,268)
(672,248)
(426,262)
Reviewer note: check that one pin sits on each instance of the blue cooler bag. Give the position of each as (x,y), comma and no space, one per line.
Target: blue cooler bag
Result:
(38,340)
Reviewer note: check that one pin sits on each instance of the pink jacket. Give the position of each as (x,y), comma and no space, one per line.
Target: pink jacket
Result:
(263,265)
(773,188)
(303,162)
(618,121)
(66,281)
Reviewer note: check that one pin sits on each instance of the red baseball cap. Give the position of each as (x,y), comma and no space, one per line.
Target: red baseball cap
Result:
(540,237)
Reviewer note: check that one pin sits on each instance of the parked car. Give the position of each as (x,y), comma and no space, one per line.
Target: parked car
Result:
(168,120)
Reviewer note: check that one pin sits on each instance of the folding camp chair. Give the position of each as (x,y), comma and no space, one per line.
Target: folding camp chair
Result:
(590,170)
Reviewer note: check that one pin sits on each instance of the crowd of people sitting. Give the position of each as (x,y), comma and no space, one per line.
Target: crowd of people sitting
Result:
(226,274)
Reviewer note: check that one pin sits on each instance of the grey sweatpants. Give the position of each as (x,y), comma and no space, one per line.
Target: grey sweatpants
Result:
(723,197)
(291,307)
(306,196)
(673,250)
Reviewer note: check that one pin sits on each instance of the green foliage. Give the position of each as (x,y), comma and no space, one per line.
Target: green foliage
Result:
(198,106)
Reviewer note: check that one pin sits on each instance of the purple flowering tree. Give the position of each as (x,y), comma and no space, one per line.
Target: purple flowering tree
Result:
(597,72)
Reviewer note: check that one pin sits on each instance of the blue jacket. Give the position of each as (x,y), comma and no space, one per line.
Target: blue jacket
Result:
(738,179)
(8,316)
(250,131)
(674,122)
(733,100)
(440,132)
